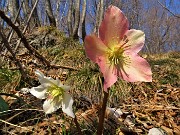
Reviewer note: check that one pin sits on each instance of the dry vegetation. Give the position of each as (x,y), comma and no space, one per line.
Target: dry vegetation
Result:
(144,105)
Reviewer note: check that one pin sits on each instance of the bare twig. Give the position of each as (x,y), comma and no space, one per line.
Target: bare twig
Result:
(10,34)
(168,10)
(23,39)
(65,67)
(17,62)
(30,48)
(27,23)
(25,128)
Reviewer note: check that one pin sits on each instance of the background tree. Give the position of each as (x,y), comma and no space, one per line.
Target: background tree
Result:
(13,6)
(83,23)
(159,19)
(49,12)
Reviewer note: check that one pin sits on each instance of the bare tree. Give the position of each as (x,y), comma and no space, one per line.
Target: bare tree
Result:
(99,15)
(83,16)
(35,14)
(13,6)
(69,18)
(27,8)
(49,12)
(76,19)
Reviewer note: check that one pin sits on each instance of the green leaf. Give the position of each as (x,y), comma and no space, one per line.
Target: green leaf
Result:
(3,105)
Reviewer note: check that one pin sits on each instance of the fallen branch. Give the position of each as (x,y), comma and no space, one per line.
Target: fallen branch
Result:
(25,128)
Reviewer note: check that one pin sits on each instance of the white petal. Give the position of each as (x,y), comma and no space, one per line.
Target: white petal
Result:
(39,92)
(39,74)
(50,107)
(67,105)
(65,87)
(59,83)
(56,82)
(46,80)
(42,78)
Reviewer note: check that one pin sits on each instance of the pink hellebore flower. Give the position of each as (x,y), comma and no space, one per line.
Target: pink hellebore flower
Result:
(116,48)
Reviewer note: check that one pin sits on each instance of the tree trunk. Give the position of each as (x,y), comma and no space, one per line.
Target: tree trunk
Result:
(34,21)
(35,15)
(76,19)
(57,13)
(99,15)
(69,18)
(49,12)
(13,6)
(83,20)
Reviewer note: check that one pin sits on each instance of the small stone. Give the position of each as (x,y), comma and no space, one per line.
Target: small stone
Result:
(156,131)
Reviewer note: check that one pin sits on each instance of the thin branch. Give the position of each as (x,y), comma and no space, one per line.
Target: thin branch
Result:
(27,23)
(17,62)
(10,34)
(23,38)
(65,67)
(29,47)
(168,10)
(25,128)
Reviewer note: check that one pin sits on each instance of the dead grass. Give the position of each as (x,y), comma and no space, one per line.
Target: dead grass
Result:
(150,105)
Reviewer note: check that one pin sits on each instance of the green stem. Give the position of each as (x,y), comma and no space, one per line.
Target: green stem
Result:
(101,117)
(77,125)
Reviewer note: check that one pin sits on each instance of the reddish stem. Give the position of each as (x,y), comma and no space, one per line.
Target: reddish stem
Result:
(101,117)
(77,125)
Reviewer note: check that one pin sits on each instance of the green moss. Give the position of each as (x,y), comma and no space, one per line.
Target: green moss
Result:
(8,79)
(51,30)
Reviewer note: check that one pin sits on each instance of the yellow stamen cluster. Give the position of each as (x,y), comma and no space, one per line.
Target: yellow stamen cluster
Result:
(115,56)
(55,92)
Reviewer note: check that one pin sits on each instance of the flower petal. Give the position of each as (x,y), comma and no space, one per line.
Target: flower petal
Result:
(94,47)
(39,92)
(56,82)
(137,70)
(49,106)
(113,27)
(109,72)
(39,74)
(42,78)
(65,87)
(136,40)
(67,105)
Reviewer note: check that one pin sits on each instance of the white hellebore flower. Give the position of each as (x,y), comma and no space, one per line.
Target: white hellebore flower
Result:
(55,93)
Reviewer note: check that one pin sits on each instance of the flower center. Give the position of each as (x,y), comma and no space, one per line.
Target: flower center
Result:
(115,56)
(55,92)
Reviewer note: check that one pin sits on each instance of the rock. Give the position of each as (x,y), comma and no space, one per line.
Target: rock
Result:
(156,131)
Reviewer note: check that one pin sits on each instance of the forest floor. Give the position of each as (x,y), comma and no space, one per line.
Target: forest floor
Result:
(133,108)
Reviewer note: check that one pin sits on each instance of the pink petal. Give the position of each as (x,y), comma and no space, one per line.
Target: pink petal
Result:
(94,47)
(113,27)
(136,40)
(137,70)
(109,72)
